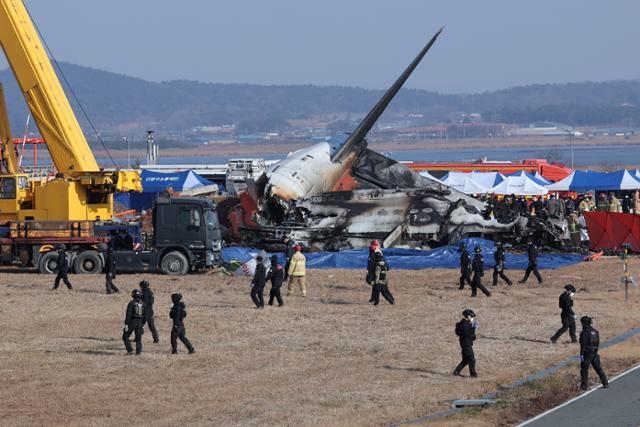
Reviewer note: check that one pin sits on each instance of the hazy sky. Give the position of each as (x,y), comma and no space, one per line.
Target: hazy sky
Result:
(487,44)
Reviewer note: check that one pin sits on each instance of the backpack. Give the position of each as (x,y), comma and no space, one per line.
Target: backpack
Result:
(459,328)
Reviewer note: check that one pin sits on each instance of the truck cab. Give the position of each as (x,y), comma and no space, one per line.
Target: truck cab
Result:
(186,237)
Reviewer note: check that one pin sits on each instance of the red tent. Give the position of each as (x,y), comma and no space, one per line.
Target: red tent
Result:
(611,230)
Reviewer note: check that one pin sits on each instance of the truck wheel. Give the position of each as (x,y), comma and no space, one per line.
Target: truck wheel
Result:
(87,262)
(48,263)
(174,264)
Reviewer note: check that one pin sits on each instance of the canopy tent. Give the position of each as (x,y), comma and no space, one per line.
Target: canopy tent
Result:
(521,185)
(157,182)
(431,177)
(487,179)
(588,180)
(535,177)
(154,183)
(463,182)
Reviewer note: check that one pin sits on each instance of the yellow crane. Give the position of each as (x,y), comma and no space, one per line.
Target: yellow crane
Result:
(81,190)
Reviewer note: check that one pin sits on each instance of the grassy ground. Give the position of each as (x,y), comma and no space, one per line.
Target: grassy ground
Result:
(330,359)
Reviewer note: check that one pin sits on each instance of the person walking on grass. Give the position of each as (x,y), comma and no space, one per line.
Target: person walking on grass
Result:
(297,272)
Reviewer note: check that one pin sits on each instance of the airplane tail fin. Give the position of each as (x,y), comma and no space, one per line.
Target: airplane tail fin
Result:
(357,137)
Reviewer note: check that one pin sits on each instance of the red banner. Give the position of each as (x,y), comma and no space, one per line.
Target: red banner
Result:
(609,230)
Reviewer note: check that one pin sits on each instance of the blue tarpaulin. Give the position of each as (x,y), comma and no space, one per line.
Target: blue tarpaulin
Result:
(590,180)
(414,259)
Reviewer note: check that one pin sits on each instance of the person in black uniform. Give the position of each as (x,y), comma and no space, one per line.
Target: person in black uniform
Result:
(276,275)
(498,269)
(133,322)
(465,266)
(62,268)
(381,280)
(289,251)
(148,299)
(177,314)
(532,254)
(371,267)
(258,282)
(589,344)
(478,272)
(567,316)
(466,332)
(110,271)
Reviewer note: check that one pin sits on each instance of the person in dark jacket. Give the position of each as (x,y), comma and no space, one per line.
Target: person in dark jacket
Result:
(371,267)
(258,282)
(381,280)
(62,268)
(532,255)
(589,344)
(110,271)
(498,269)
(133,322)
(478,272)
(567,316)
(289,251)
(177,314)
(276,275)
(148,299)
(466,332)
(465,266)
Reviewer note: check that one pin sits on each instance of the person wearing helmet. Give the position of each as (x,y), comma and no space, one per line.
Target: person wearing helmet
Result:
(276,275)
(177,315)
(465,266)
(297,272)
(110,270)
(133,322)
(62,268)
(148,299)
(466,332)
(478,272)
(532,255)
(381,280)
(371,267)
(498,269)
(589,344)
(258,282)
(567,316)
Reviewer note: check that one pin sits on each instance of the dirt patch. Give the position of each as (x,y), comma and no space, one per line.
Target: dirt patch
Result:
(329,359)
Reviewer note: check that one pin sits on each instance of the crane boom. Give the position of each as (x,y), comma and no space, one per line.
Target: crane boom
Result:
(9,159)
(43,92)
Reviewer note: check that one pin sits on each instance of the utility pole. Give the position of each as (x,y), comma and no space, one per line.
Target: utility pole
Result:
(570,132)
(126,141)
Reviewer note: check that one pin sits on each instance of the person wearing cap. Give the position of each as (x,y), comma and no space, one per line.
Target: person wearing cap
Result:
(532,267)
(498,269)
(177,315)
(297,272)
(589,344)
(134,322)
(276,275)
(148,299)
(603,203)
(466,332)
(62,268)
(478,272)
(258,282)
(567,316)
(465,266)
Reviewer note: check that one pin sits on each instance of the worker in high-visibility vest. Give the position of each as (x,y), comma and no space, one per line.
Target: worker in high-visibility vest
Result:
(297,272)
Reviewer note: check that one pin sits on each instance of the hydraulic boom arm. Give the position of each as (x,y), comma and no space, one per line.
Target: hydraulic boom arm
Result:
(9,159)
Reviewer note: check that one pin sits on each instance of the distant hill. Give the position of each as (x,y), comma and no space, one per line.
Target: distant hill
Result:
(117,103)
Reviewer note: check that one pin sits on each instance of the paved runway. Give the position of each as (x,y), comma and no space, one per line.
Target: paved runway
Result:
(617,406)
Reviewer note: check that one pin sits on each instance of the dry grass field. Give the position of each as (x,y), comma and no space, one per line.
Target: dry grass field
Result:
(330,359)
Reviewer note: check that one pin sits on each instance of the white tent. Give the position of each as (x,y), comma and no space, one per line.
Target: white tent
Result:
(487,179)
(463,182)
(431,177)
(520,185)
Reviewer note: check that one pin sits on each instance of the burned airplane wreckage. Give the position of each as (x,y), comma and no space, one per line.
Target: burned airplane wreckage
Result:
(339,194)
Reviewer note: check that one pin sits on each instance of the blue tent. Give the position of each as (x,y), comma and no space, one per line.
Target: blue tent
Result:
(588,180)
(537,178)
(154,183)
